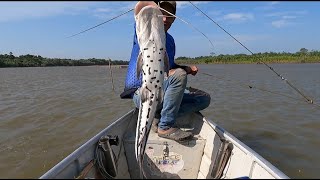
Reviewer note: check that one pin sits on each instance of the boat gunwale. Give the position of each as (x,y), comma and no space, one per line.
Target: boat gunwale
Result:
(274,171)
(79,151)
(59,167)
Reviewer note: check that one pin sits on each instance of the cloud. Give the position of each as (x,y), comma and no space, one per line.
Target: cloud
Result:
(107,10)
(215,13)
(281,23)
(183,4)
(222,45)
(274,2)
(285,18)
(286,13)
(289,17)
(249,38)
(104,10)
(269,6)
(238,17)
(17,11)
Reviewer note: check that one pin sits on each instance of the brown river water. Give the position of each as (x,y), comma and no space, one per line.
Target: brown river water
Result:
(48,112)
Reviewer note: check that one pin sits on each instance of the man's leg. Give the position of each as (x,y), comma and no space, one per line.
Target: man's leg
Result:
(174,88)
(174,92)
(194,101)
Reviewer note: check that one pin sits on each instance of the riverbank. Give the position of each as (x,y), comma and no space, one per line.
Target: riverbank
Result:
(252,59)
(303,56)
(246,62)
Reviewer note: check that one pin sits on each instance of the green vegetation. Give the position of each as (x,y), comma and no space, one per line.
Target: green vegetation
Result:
(38,61)
(302,56)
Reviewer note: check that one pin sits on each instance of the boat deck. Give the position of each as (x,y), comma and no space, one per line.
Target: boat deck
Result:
(212,153)
(165,158)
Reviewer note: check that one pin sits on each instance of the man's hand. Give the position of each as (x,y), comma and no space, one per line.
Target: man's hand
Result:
(142,4)
(191,70)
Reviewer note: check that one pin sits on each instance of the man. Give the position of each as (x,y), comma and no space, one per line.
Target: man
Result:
(175,102)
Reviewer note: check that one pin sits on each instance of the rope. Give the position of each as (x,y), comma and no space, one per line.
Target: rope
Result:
(99,161)
(282,78)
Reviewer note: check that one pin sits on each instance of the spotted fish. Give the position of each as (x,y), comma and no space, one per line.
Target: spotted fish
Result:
(153,64)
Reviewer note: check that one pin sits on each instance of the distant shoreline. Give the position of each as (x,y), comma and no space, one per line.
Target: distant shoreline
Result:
(301,57)
(181,63)
(254,63)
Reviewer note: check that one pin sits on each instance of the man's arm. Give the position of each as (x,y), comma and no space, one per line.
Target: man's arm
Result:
(189,69)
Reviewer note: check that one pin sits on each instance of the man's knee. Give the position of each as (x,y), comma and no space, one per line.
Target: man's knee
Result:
(178,73)
(204,98)
(178,77)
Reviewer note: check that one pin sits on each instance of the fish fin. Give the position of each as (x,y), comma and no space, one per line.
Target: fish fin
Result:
(160,96)
(144,94)
(166,63)
(139,64)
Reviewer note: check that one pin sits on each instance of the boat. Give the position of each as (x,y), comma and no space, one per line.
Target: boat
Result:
(212,153)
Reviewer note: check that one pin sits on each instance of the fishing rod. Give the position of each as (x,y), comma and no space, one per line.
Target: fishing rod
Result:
(282,78)
(188,24)
(279,75)
(132,10)
(100,23)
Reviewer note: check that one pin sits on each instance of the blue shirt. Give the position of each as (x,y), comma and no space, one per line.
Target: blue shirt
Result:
(132,82)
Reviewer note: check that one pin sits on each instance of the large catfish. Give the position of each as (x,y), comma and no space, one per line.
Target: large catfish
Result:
(153,64)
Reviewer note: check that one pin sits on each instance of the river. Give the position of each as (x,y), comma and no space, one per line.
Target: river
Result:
(48,112)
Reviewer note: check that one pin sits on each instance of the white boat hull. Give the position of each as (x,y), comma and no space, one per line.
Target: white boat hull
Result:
(213,153)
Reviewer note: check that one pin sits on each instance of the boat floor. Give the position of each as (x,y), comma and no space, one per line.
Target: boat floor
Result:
(165,158)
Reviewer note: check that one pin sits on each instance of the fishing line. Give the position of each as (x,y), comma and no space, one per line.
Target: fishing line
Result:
(110,68)
(251,87)
(255,87)
(282,78)
(188,24)
(102,23)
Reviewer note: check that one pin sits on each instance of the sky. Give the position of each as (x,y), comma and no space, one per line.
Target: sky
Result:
(41,28)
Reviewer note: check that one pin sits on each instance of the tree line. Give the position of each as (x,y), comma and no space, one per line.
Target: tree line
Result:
(302,56)
(9,60)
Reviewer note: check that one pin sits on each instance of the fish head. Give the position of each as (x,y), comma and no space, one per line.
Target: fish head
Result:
(151,38)
(149,25)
